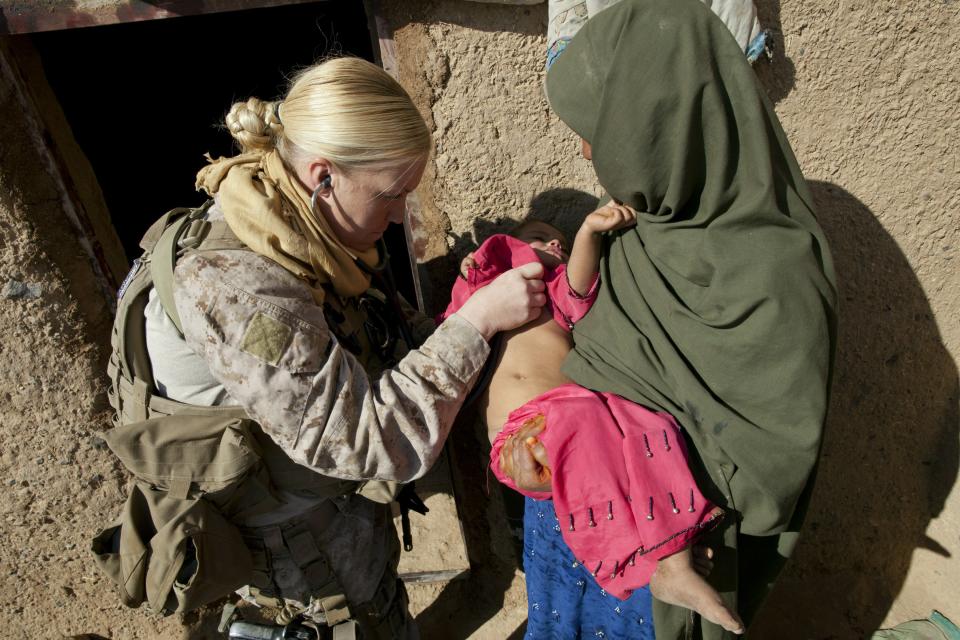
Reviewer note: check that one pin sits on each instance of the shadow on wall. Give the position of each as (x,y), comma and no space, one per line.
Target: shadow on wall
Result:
(561,207)
(779,75)
(890,455)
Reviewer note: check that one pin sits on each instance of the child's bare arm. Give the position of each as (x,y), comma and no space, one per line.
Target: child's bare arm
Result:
(585,255)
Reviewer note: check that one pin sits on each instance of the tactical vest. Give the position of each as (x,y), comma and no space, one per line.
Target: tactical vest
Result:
(197,470)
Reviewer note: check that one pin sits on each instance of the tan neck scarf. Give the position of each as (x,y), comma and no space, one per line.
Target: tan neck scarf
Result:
(270,212)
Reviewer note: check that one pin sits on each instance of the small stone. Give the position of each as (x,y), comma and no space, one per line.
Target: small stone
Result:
(39,460)
(97,443)
(17,290)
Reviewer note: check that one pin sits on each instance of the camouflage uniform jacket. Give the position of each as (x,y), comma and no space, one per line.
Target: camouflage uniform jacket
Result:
(264,338)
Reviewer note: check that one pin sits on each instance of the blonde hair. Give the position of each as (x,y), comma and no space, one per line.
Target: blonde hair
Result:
(346,110)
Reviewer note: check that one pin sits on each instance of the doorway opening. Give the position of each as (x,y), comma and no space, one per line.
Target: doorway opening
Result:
(146,100)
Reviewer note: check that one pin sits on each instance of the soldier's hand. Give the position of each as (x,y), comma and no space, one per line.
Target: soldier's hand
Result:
(514,298)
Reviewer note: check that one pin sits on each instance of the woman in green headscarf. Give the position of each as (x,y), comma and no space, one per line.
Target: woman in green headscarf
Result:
(718,307)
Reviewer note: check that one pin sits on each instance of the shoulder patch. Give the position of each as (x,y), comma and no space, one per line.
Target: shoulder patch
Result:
(266,338)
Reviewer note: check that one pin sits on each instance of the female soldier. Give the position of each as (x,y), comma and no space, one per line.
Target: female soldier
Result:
(718,307)
(287,328)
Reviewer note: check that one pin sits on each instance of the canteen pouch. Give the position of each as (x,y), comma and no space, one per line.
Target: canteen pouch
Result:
(197,557)
(175,555)
(121,550)
(173,546)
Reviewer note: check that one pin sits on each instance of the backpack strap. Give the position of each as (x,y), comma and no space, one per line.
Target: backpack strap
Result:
(191,232)
(129,364)
(166,251)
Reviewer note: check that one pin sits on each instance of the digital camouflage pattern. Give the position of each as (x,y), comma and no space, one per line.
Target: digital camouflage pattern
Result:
(342,414)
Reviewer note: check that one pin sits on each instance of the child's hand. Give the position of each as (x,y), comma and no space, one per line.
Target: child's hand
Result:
(610,217)
(467,263)
(524,459)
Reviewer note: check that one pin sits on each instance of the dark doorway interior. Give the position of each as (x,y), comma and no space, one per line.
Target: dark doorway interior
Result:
(146,100)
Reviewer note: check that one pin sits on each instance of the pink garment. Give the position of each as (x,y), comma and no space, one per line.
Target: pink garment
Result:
(501,253)
(622,488)
(614,462)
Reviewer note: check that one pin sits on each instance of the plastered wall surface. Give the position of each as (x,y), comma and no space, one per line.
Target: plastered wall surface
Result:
(58,477)
(867,93)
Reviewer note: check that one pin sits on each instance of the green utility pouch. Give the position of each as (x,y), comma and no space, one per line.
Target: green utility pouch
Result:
(175,555)
(196,455)
(173,547)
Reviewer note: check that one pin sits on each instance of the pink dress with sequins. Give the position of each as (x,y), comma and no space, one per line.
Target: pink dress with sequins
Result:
(621,484)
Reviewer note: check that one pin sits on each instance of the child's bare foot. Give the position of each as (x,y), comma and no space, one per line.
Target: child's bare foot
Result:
(676,581)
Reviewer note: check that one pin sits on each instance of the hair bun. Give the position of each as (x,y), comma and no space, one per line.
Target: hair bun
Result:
(254,124)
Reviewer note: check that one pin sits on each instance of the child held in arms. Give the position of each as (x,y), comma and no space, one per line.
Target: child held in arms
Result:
(624,496)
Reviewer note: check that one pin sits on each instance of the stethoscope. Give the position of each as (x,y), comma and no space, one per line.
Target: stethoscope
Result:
(382,276)
(381,273)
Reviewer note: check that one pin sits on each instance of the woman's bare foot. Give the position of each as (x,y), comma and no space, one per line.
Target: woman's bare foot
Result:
(676,581)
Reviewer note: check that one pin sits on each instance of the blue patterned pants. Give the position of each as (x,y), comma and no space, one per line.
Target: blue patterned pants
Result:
(564,602)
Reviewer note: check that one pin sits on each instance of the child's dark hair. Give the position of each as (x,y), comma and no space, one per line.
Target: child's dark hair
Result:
(519,228)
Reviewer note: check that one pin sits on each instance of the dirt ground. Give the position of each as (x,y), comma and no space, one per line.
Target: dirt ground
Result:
(867,93)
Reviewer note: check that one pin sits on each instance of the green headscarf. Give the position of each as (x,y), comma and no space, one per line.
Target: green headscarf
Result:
(719,306)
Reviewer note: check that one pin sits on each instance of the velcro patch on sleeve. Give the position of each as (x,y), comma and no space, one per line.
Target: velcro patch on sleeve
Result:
(266,338)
